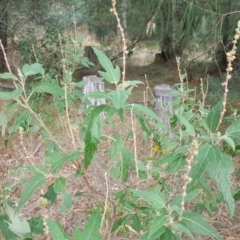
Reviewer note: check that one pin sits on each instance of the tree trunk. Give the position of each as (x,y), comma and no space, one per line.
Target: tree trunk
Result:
(224,46)
(3,32)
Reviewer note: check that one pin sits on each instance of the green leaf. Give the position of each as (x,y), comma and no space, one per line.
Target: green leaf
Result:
(189,128)
(59,185)
(143,110)
(36,225)
(169,235)
(11,95)
(201,165)
(229,141)
(136,223)
(233,130)
(4,230)
(220,168)
(55,230)
(57,163)
(5,116)
(198,225)
(157,224)
(32,69)
(237,196)
(112,75)
(17,226)
(8,75)
(131,83)
(155,236)
(32,184)
(48,87)
(67,202)
(192,194)
(93,132)
(91,229)
(118,98)
(213,116)
(155,200)
(180,228)
(50,195)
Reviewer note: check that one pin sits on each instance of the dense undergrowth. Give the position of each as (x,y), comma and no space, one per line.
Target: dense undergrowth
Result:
(188,176)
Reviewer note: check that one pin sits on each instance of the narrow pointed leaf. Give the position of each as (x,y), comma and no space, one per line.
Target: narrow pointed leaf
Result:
(10,95)
(196,223)
(8,75)
(189,128)
(157,224)
(213,117)
(91,229)
(32,185)
(55,230)
(180,228)
(33,69)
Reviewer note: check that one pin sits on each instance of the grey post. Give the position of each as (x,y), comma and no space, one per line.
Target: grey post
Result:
(164,102)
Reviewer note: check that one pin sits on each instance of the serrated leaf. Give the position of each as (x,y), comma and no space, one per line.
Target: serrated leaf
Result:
(112,75)
(11,95)
(8,75)
(93,132)
(198,225)
(201,165)
(220,168)
(91,229)
(4,230)
(189,128)
(55,230)
(17,226)
(32,184)
(213,116)
(233,130)
(155,200)
(157,224)
(33,69)
(48,87)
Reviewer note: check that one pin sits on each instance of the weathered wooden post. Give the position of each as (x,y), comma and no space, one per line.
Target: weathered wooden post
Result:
(164,102)
(94,84)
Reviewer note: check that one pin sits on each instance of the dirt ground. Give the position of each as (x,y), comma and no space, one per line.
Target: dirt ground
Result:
(14,155)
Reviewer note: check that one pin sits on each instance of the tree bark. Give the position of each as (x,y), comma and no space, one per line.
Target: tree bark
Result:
(3,32)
